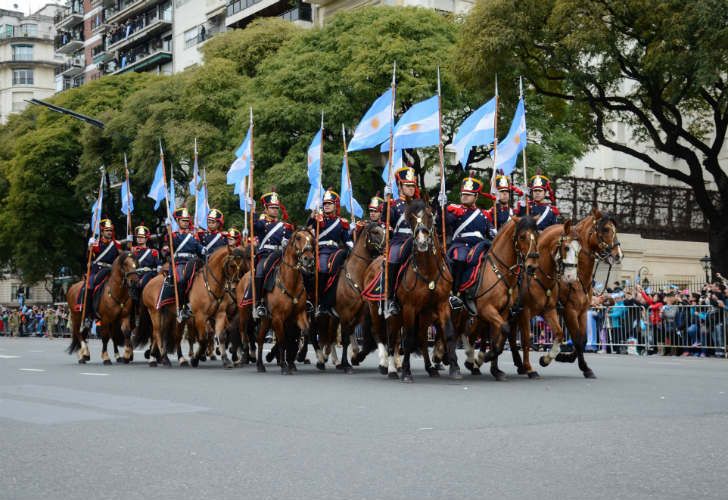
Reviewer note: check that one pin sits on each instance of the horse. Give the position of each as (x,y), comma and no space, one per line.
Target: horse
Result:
(114,310)
(211,293)
(599,241)
(349,304)
(423,291)
(514,250)
(286,301)
(558,250)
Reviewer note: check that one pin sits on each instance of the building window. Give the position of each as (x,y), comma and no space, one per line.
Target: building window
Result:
(191,37)
(22,77)
(588,172)
(621,174)
(16,290)
(22,53)
(28,30)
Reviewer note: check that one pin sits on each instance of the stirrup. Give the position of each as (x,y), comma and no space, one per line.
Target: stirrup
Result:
(183,314)
(87,323)
(392,308)
(309,307)
(261,311)
(323,310)
(455,302)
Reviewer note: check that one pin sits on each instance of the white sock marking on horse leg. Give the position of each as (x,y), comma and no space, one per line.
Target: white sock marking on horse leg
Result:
(555,350)
(392,365)
(320,355)
(382,352)
(334,356)
(480,358)
(469,350)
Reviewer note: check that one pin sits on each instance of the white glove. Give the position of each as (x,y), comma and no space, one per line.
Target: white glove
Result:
(204,251)
(284,242)
(387,191)
(442,199)
(129,238)
(91,242)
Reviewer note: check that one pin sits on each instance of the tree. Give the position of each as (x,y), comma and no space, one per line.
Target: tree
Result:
(660,67)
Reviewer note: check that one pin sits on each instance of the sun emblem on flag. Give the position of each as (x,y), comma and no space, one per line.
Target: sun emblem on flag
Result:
(375,122)
(517,139)
(413,127)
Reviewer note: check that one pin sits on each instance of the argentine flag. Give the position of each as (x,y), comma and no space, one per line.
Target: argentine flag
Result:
(397,160)
(172,202)
(478,129)
(374,127)
(514,142)
(158,192)
(127,200)
(241,166)
(347,197)
(315,196)
(201,208)
(314,159)
(419,127)
(96,215)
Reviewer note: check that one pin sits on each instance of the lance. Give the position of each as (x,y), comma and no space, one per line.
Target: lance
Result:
(316,225)
(175,278)
(442,197)
(94,230)
(348,176)
(495,156)
(388,191)
(525,170)
(128,203)
(250,214)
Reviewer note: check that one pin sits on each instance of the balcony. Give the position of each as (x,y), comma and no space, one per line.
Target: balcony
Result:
(159,56)
(68,43)
(131,8)
(299,15)
(154,27)
(69,18)
(71,68)
(100,55)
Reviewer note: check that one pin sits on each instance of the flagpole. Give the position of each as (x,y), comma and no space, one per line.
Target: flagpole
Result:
(495,156)
(194,178)
(525,169)
(348,176)
(169,226)
(128,204)
(388,191)
(93,233)
(321,168)
(250,214)
(245,193)
(442,162)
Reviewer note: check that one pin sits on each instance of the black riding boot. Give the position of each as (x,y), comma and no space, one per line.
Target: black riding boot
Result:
(260,309)
(393,304)
(458,268)
(324,306)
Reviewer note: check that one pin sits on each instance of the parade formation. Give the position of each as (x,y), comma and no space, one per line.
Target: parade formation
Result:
(415,266)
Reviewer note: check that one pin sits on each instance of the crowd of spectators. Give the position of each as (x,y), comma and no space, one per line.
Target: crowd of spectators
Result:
(34,321)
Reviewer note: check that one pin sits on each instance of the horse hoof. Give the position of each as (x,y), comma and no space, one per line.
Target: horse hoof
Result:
(340,366)
(407,378)
(393,376)
(82,361)
(542,361)
(203,358)
(119,360)
(469,365)
(184,364)
(321,366)
(261,368)
(213,358)
(107,362)
(438,366)
(522,371)
(217,351)
(565,358)
(301,357)
(152,364)
(126,361)
(432,372)
(348,370)
(355,361)
(292,367)
(500,376)
(306,361)
(195,362)
(533,375)
(87,357)
(475,371)
(227,365)
(455,374)
(382,370)
(588,373)
(146,354)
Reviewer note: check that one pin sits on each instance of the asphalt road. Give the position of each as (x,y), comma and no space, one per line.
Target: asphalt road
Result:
(646,428)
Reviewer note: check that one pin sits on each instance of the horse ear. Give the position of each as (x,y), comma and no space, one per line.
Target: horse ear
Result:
(596,213)
(567,226)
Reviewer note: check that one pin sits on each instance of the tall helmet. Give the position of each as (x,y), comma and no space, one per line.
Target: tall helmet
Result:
(502,183)
(216,215)
(376,203)
(471,185)
(182,214)
(270,200)
(406,176)
(235,234)
(331,196)
(142,231)
(106,224)
(540,181)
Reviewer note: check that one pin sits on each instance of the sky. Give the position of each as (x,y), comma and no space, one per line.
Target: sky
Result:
(24,4)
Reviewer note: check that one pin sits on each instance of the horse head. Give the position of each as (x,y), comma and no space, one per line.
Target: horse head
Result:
(374,238)
(301,249)
(525,243)
(566,253)
(127,267)
(420,219)
(235,264)
(602,238)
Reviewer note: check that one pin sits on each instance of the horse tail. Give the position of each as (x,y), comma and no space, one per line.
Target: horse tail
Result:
(144,330)
(169,330)
(75,344)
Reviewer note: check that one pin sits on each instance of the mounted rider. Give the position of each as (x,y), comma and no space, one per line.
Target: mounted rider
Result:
(540,208)
(148,258)
(333,234)
(375,209)
(469,227)
(213,238)
(234,238)
(502,203)
(103,253)
(187,249)
(272,235)
(400,243)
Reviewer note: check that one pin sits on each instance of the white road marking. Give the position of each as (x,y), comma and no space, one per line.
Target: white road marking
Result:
(36,351)
(95,374)
(425,429)
(8,356)
(31,370)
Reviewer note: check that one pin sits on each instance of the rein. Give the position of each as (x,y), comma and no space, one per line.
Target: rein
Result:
(298,267)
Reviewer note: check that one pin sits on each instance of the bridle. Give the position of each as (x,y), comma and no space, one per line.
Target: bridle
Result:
(300,253)
(371,245)
(604,248)
(125,282)
(420,226)
(229,278)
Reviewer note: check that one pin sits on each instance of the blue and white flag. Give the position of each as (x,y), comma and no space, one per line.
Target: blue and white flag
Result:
(374,128)
(514,142)
(241,166)
(96,215)
(201,207)
(158,192)
(315,197)
(172,202)
(397,160)
(419,127)
(478,129)
(313,159)
(196,179)
(347,197)
(127,200)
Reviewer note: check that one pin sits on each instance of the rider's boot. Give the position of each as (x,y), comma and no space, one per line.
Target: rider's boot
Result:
(392,303)
(260,309)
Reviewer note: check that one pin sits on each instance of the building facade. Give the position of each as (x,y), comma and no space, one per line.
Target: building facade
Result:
(28,62)
(325,9)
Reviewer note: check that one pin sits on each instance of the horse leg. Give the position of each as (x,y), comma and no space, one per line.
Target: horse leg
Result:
(262,328)
(470,356)
(500,331)
(221,336)
(281,342)
(393,338)
(579,345)
(410,341)
(104,346)
(128,346)
(524,321)
(448,331)
(572,323)
(346,334)
(552,319)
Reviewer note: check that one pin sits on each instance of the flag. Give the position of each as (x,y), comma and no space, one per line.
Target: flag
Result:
(172,203)
(514,142)
(315,196)
(96,216)
(195,181)
(397,160)
(314,159)
(478,129)
(127,200)
(242,190)
(158,192)
(419,127)
(347,197)
(241,166)
(374,128)
(201,208)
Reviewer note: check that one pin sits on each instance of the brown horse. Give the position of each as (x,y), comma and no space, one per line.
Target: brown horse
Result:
(349,303)
(114,310)
(513,254)
(423,291)
(286,301)
(558,249)
(598,240)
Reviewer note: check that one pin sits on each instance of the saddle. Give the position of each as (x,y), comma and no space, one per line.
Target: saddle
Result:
(270,268)
(374,290)
(96,294)
(471,274)
(166,293)
(335,263)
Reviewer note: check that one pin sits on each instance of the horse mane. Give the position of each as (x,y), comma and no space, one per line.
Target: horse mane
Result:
(606,218)
(526,223)
(119,260)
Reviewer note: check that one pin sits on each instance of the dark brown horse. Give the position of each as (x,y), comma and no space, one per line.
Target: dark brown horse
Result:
(598,239)
(514,255)
(286,301)
(114,311)
(558,249)
(349,303)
